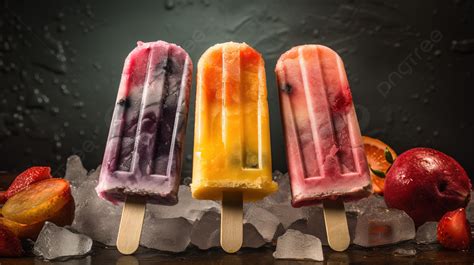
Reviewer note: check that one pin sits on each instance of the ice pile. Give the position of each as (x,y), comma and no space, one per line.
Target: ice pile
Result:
(427,233)
(381,226)
(195,222)
(296,245)
(171,228)
(58,242)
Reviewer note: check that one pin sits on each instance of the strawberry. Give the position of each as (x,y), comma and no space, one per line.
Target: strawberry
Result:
(454,231)
(3,198)
(10,245)
(27,177)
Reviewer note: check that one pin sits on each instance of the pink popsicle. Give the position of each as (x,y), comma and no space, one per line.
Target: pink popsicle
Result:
(146,140)
(325,152)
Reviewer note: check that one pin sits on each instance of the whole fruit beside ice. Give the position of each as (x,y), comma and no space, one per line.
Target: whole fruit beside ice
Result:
(426,184)
(454,231)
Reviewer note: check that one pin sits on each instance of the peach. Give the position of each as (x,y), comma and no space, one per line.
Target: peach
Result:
(62,217)
(48,199)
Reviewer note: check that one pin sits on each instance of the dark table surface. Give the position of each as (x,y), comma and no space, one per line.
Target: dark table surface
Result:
(355,255)
(409,64)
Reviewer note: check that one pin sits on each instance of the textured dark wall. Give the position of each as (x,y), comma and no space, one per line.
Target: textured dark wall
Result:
(409,63)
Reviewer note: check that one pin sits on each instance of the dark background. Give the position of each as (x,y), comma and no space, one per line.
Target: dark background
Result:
(409,63)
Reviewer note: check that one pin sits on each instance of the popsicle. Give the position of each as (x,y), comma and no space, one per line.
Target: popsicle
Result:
(143,154)
(232,157)
(325,152)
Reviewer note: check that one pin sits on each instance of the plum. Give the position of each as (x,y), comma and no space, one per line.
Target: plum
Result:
(426,183)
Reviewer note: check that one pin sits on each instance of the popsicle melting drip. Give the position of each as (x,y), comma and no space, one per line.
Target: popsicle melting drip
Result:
(232,136)
(325,151)
(145,145)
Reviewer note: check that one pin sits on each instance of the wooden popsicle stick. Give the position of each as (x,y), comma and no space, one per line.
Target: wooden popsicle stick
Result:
(232,221)
(336,224)
(131,224)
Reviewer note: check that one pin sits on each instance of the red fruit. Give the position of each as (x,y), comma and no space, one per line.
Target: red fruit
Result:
(454,231)
(3,198)
(426,184)
(10,245)
(27,177)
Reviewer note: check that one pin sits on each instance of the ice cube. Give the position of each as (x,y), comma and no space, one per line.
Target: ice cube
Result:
(94,216)
(170,234)
(296,245)
(283,195)
(314,224)
(279,203)
(75,171)
(404,251)
(206,231)
(378,226)
(360,206)
(187,207)
(252,238)
(427,233)
(57,242)
(265,222)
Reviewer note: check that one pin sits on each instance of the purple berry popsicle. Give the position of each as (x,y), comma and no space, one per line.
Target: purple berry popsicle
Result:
(145,144)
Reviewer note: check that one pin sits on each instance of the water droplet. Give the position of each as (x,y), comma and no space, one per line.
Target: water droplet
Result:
(66,124)
(38,78)
(426,101)
(64,89)
(97,66)
(405,119)
(435,133)
(54,110)
(169,4)
(316,33)
(187,181)
(189,157)
(59,15)
(463,46)
(418,129)
(6,46)
(396,45)
(61,28)
(437,53)
(28,151)
(79,105)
